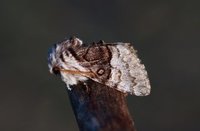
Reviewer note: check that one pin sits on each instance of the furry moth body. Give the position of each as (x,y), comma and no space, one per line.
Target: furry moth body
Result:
(113,64)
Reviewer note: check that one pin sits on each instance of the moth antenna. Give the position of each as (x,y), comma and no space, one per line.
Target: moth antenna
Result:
(72,38)
(101,42)
(93,43)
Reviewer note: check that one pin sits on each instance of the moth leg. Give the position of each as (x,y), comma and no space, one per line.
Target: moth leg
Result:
(87,88)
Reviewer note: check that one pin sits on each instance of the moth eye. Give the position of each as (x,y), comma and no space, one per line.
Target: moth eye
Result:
(56,70)
(100,71)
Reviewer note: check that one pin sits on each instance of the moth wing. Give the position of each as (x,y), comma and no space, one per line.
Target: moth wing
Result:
(127,73)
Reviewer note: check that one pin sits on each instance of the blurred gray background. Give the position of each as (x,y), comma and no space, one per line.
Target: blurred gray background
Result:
(166,35)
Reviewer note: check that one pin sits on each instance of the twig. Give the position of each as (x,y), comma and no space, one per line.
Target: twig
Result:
(100,108)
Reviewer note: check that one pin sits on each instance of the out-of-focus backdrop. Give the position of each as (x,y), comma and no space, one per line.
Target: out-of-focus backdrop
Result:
(166,35)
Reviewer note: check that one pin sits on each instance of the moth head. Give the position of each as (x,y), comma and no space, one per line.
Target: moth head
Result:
(62,61)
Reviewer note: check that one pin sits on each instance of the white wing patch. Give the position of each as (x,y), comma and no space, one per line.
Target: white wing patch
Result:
(127,74)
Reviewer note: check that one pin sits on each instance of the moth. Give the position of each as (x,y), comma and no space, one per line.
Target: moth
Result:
(115,65)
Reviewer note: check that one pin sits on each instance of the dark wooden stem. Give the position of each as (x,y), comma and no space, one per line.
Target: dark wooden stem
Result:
(100,108)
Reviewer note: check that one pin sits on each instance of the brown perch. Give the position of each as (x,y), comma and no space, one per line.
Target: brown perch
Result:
(100,108)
